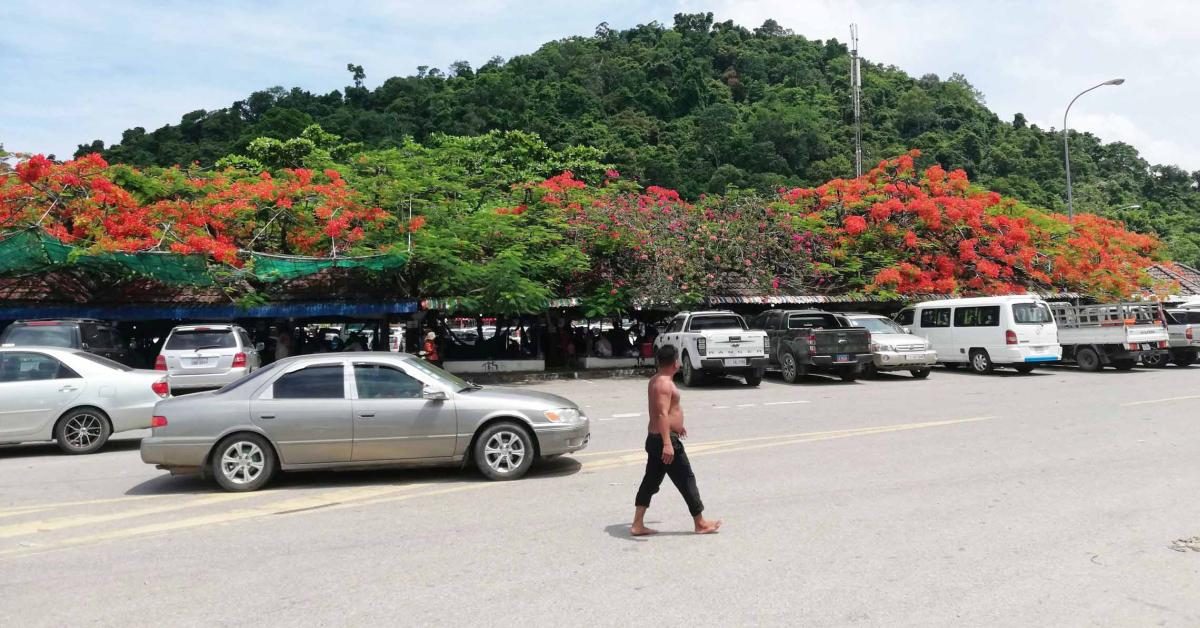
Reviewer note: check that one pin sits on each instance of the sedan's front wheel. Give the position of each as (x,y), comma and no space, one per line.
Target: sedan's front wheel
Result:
(504,451)
(243,462)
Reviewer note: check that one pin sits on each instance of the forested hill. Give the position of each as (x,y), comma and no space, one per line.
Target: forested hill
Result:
(700,106)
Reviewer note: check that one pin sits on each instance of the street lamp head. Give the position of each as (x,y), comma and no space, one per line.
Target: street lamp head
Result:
(1116,81)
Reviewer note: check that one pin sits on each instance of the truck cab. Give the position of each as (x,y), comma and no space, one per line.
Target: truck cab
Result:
(715,343)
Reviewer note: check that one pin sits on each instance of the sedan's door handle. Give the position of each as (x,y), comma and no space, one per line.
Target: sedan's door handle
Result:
(266,416)
(67,389)
(367,415)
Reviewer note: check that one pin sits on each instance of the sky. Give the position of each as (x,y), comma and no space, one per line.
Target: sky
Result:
(73,71)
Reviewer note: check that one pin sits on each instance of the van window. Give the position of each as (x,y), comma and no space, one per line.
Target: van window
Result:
(935,317)
(905,317)
(980,316)
(1031,314)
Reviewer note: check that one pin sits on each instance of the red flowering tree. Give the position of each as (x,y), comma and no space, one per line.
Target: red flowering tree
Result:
(102,208)
(899,231)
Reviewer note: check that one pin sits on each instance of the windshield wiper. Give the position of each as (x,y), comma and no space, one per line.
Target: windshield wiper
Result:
(203,347)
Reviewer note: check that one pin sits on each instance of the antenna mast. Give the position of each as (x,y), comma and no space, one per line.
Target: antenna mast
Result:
(856,92)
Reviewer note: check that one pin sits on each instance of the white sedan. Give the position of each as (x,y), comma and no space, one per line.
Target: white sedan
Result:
(72,397)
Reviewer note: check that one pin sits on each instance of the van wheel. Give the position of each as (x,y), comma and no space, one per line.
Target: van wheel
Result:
(1024,369)
(1155,360)
(790,368)
(981,362)
(691,378)
(503,451)
(1088,359)
(921,373)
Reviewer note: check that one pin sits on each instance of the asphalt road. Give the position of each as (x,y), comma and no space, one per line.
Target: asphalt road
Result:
(1050,499)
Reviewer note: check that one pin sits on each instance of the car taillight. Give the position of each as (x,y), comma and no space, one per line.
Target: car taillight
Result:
(239,360)
(812,342)
(1010,337)
(161,388)
(767,344)
(1162,344)
(1188,333)
(158,421)
(702,346)
(160,363)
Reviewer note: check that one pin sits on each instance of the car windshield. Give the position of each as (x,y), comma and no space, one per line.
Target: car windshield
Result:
(246,379)
(91,357)
(720,321)
(1032,314)
(195,339)
(877,325)
(457,383)
(40,336)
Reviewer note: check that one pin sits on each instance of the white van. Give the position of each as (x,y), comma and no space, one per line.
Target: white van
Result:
(986,332)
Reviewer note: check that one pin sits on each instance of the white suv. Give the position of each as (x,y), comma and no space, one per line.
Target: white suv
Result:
(717,343)
(206,356)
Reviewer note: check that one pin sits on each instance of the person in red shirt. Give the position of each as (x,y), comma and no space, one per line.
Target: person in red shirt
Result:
(430,350)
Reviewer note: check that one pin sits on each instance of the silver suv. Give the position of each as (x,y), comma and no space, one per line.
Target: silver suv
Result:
(206,356)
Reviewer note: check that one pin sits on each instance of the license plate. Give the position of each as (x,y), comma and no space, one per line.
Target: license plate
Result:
(843,357)
(199,361)
(1146,347)
(735,362)
(913,358)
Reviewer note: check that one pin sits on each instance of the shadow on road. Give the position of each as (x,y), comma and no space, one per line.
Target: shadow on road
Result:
(184,484)
(621,531)
(42,449)
(813,379)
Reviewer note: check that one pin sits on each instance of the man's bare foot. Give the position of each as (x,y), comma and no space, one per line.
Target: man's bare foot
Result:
(641,531)
(705,526)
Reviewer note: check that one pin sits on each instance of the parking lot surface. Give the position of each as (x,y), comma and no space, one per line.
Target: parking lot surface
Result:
(1057,498)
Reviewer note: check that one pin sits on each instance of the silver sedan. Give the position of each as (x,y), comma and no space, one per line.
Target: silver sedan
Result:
(75,398)
(358,410)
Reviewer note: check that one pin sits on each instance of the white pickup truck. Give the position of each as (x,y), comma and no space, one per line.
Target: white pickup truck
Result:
(716,343)
(1110,334)
(1183,328)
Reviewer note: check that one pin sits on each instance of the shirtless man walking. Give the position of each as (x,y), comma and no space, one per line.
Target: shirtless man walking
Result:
(664,450)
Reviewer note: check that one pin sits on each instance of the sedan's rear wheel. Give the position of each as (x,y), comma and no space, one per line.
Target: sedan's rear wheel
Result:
(504,451)
(82,431)
(243,462)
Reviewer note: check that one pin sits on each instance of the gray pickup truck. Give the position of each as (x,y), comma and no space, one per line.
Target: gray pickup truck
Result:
(1183,330)
(804,341)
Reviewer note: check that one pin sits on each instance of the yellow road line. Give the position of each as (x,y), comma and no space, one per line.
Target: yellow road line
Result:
(1163,400)
(372,495)
(86,502)
(49,525)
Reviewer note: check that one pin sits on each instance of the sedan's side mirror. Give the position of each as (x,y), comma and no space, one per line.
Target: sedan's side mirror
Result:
(432,394)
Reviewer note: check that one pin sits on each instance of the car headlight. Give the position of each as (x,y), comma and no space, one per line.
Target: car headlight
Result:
(562,415)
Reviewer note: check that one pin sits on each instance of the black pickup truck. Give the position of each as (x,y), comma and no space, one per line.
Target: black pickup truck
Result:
(803,341)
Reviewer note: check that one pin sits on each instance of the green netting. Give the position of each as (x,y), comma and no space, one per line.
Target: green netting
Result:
(31,252)
(277,267)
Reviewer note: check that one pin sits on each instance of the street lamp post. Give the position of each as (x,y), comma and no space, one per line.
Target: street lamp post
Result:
(1067,143)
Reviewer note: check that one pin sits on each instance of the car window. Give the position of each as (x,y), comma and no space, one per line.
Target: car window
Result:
(376,381)
(719,321)
(247,343)
(935,317)
(1031,314)
(256,376)
(980,316)
(1193,318)
(905,317)
(193,339)
(877,325)
(19,366)
(676,325)
(324,381)
(40,336)
(106,337)
(812,321)
(102,361)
